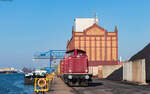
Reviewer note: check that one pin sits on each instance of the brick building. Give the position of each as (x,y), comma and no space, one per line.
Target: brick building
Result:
(100,45)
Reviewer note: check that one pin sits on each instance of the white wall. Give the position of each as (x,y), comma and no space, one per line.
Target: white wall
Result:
(84,23)
(135,71)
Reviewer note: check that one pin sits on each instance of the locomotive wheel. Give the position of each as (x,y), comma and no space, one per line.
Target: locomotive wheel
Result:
(65,80)
(70,83)
(84,84)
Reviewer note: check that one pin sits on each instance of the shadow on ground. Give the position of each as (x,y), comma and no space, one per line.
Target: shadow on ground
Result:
(95,84)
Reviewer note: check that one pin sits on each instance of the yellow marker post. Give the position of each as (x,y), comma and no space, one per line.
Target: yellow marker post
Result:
(48,78)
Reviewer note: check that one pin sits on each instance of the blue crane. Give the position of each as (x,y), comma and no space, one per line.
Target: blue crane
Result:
(51,55)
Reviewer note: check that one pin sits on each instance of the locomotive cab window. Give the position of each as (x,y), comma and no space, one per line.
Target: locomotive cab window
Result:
(75,52)
(69,54)
(81,53)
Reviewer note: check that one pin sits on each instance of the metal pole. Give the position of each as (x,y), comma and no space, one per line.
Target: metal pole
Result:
(50,60)
(104,46)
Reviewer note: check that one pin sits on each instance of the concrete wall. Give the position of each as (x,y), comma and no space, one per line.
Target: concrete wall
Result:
(135,71)
(127,71)
(93,70)
(103,71)
(109,69)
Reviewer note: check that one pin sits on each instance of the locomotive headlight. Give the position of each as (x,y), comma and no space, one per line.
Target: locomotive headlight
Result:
(87,77)
(86,70)
(70,70)
(70,77)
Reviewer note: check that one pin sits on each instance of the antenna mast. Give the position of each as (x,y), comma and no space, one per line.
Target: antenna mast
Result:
(95,16)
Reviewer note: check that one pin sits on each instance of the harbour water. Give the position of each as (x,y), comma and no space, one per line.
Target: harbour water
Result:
(14,84)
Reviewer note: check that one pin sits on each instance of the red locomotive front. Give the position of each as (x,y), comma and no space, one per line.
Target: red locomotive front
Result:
(75,68)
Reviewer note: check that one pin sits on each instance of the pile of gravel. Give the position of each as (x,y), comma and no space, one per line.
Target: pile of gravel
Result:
(144,53)
(116,75)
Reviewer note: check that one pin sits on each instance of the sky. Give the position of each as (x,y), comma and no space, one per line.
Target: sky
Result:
(31,26)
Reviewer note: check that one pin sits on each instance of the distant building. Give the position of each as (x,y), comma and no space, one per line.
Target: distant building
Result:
(100,45)
(8,70)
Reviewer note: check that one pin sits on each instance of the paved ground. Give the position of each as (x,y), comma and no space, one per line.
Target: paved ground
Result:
(99,87)
(111,87)
(59,87)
